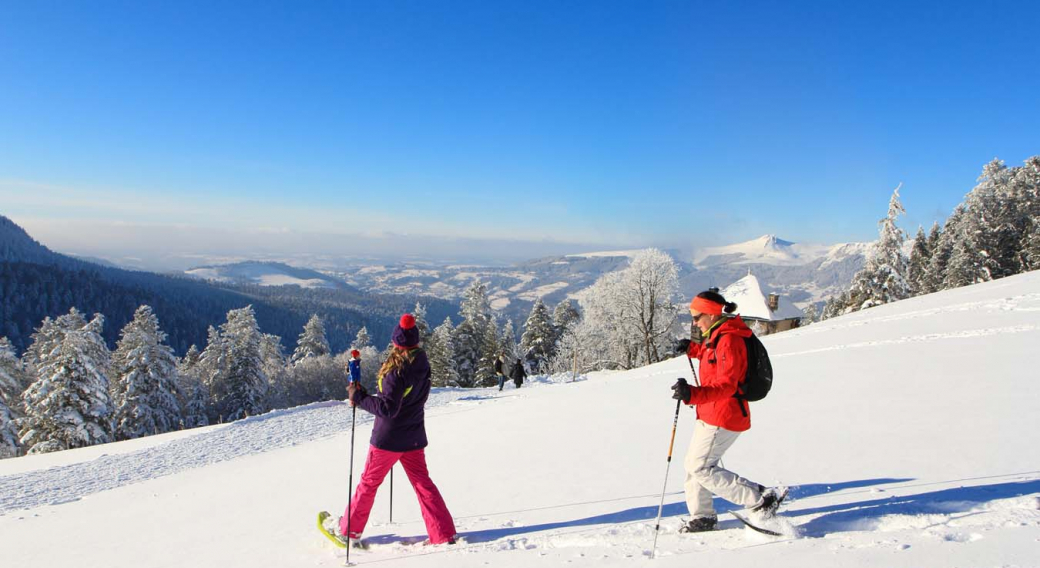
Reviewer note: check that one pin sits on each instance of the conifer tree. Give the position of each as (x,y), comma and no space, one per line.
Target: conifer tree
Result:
(920,258)
(68,405)
(312,342)
(12,381)
(144,372)
(440,350)
(883,279)
(475,338)
(246,385)
(564,316)
(362,340)
(538,342)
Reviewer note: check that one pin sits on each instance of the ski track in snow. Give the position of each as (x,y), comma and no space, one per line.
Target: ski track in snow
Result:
(264,433)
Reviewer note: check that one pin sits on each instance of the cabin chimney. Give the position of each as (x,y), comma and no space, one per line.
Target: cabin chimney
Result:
(774,302)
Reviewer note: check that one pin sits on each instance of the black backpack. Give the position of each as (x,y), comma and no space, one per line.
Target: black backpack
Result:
(759,377)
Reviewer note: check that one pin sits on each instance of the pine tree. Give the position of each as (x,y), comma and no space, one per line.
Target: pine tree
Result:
(194,397)
(475,338)
(246,385)
(12,381)
(809,315)
(538,342)
(312,342)
(419,313)
(1028,181)
(362,340)
(440,350)
(9,446)
(564,316)
(931,275)
(507,344)
(920,259)
(883,279)
(68,405)
(145,380)
(272,355)
(211,372)
(13,377)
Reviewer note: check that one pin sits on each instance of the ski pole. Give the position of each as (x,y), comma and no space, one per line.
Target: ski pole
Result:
(391,494)
(350,483)
(660,508)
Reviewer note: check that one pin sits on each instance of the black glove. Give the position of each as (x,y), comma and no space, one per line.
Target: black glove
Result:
(681,390)
(355,392)
(682,347)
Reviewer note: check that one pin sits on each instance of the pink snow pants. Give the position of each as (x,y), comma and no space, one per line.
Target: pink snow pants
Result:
(439,524)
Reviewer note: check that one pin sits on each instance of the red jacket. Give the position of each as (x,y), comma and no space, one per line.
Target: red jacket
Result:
(721,371)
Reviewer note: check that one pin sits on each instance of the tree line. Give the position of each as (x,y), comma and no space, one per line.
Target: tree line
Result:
(993,233)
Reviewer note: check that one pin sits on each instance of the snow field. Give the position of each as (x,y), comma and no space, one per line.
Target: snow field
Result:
(907,434)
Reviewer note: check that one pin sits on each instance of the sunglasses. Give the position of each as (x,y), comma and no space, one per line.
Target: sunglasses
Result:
(697,317)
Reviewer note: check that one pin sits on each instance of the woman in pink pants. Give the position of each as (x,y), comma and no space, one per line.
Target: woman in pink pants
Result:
(399,434)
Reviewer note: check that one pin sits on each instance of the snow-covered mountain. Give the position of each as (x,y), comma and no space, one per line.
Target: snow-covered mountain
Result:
(770,250)
(906,432)
(265,274)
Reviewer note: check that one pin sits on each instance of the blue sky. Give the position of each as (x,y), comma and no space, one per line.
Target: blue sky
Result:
(594,123)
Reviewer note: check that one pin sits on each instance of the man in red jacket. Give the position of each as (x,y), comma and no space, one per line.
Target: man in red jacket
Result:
(721,417)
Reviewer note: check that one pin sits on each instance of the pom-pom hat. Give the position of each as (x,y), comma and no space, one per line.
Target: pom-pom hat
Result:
(406,335)
(355,353)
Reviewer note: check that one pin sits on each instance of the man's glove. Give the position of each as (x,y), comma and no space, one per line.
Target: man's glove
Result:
(355,392)
(681,390)
(682,347)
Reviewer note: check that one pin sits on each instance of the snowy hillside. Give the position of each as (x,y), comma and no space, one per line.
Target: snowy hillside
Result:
(264,274)
(907,433)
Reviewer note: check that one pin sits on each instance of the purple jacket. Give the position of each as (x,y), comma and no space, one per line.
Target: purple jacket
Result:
(399,407)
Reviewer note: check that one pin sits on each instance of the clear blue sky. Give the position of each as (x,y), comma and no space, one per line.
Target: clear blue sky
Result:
(628,123)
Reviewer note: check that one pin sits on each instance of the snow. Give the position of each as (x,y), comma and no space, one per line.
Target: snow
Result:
(752,301)
(906,432)
(768,249)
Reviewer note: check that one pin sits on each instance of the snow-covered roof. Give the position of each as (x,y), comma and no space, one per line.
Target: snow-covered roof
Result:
(752,303)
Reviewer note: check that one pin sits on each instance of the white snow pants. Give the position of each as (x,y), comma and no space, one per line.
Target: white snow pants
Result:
(704,477)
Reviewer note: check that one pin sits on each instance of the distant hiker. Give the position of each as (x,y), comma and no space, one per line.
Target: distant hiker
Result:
(354,366)
(399,434)
(498,371)
(518,373)
(720,416)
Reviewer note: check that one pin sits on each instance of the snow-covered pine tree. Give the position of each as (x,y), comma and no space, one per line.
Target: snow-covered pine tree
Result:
(419,313)
(144,385)
(12,382)
(475,338)
(68,405)
(490,353)
(211,371)
(883,279)
(440,350)
(246,383)
(194,397)
(272,355)
(13,377)
(362,340)
(312,342)
(507,344)
(9,446)
(564,316)
(538,342)
(920,259)
(931,277)
(1027,181)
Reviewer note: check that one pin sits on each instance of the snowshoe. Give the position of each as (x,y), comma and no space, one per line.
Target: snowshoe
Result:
(700,524)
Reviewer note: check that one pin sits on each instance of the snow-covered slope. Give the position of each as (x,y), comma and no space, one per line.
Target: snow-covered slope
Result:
(768,249)
(264,274)
(908,434)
